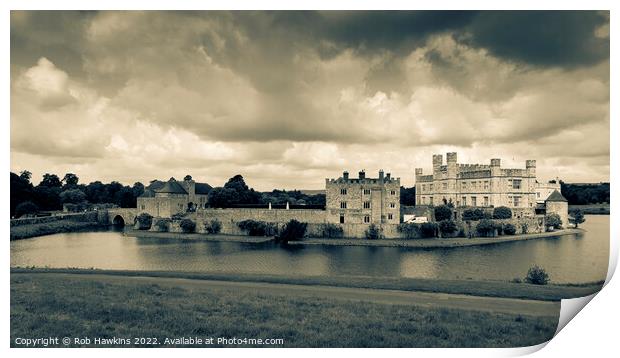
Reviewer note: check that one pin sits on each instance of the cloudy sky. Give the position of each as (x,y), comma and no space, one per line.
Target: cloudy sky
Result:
(289,98)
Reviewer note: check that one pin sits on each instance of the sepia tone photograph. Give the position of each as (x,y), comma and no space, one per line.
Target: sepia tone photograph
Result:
(305,179)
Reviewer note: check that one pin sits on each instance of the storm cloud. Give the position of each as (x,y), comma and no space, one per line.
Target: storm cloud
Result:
(288,98)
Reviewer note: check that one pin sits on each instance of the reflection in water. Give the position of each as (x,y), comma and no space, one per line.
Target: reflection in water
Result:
(574,258)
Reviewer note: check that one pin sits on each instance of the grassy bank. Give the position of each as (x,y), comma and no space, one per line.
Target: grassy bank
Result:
(56,306)
(592,209)
(466,287)
(435,243)
(55,227)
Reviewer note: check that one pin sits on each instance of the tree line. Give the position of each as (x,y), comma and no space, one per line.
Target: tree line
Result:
(52,192)
(583,194)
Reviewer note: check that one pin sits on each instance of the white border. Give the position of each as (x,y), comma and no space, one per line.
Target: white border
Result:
(594,327)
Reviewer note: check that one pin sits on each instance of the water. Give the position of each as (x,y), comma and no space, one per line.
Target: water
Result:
(568,259)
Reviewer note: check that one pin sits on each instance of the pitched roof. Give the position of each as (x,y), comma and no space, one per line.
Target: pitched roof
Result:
(171,187)
(556,196)
(203,188)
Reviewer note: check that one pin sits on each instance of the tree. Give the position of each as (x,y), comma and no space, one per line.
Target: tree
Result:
(576,217)
(473,214)
(407,196)
(222,197)
(502,212)
(187,225)
(137,189)
(554,220)
(486,228)
(27,207)
(447,227)
(21,191)
(509,229)
(443,212)
(293,230)
(50,181)
(373,232)
(25,175)
(187,177)
(70,179)
(73,196)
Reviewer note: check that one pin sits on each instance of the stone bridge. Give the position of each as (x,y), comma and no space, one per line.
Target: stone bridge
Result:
(122,216)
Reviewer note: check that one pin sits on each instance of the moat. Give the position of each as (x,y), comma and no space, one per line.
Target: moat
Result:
(568,259)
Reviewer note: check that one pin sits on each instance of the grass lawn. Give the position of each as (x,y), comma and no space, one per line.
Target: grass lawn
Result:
(54,227)
(467,287)
(57,306)
(592,209)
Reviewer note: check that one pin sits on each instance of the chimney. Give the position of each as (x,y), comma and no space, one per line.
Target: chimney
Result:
(362,174)
(387,176)
(495,162)
(345,175)
(381,175)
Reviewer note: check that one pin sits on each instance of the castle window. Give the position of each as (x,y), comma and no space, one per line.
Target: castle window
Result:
(464,185)
(517,201)
(464,201)
(486,184)
(516,184)
(486,201)
(393,192)
(366,219)
(342,219)
(390,216)
(473,201)
(343,191)
(367,205)
(343,205)
(444,186)
(423,187)
(366,191)
(431,200)
(392,205)
(430,187)
(142,207)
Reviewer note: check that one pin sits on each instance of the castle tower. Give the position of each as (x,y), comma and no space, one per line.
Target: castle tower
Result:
(437,163)
(530,166)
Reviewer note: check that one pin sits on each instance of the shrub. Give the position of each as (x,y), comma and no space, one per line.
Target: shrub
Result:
(554,220)
(331,230)
(27,207)
(509,229)
(409,230)
(187,225)
(373,232)
(443,212)
(258,228)
(162,224)
(576,217)
(428,230)
(486,228)
(524,228)
(502,212)
(292,231)
(447,228)
(473,214)
(177,216)
(537,276)
(213,227)
(144,221)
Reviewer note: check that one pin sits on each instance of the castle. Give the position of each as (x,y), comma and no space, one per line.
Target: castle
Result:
(363,200)
(356,203)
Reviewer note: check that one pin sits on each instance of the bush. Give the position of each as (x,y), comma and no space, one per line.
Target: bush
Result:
(213,227)
(373,232)
(486,228)
(187,225)
(473,214)
(144,221)
(177,216)
(537,276)
(576,217)
(25,208)
(428,230)
(509,229)
(409,230)
(554,220)
(292,231)
(443,212)
(331,231)
(163,224)
(502,212)
(447,228)
(258,228)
